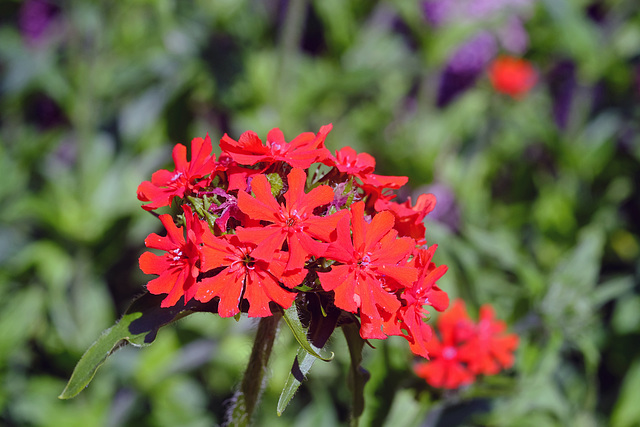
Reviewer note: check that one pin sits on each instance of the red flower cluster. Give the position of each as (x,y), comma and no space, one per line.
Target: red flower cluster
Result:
(512,76)
(466,349)
(269,221)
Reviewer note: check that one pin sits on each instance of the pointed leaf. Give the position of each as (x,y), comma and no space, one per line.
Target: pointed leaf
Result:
(322,323)
(301,366)
(138,326)
(300,332)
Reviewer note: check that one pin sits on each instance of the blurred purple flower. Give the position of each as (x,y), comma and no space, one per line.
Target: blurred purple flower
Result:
(437,12)
(446,211)
(442,12)
(475,54)
(35,19)
(465,66)
(470,59)
(513,36)
(562,85)
(44,112)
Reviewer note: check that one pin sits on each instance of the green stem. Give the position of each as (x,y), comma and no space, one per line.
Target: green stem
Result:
(239,415)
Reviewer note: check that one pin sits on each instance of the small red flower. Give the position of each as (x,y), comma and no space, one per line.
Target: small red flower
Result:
(348,161)
(409,320)
(371,266)
(243,276)
(467,349)
(409,219)
(165,185)
(361,166)
(294,222)
(179,267)
(512,76)
(301,152)
(446,367)
(491,349)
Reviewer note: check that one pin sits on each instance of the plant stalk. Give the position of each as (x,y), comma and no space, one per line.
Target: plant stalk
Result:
(246,398)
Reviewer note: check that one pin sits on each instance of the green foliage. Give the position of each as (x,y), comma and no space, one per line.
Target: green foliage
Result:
(139,326)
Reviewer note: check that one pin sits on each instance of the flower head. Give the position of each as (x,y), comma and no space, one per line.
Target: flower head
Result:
(369,268)
(446,367)
(180,265)
(165,185)
(293,222)
(301,152)
(512,76)
(264,227)
(466,349)
(242,276)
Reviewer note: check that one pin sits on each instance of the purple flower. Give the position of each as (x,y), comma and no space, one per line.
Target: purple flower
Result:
(446,211)
(562,85)
(442,12)
(475,54)
(513,37)
(470,59)
(465,66)
(35,19)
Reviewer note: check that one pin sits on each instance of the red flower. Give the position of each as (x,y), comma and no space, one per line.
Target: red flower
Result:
(348,161)
(165,185)
(491,349)
(409,220)
(512,76)
(304,150)
(467,349)
(244,276)
(370,268)
(361,166)
(409,319)
(294,222)
(180,266)
(446,367)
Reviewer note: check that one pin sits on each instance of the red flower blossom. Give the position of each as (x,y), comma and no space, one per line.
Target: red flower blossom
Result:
(491,349)
(370,268)
(165,185)
(304,150)
(467,349)
(361,166)
(512,76)
(180,266)
(243,276)
(348,161)
(294,222)
(446,367)
(409,219)
(409,319)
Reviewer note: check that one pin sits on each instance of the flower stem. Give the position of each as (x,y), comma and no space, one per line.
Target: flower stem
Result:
(246,398)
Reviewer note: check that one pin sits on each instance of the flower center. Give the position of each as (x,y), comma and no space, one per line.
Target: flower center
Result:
(249,262)
(177,255)
(449,353)
(365,260)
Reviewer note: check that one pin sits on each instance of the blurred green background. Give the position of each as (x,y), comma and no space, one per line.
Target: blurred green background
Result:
(538,210)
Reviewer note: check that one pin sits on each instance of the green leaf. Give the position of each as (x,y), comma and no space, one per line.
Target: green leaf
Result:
(300,332)
(301,366)
(358,376)
(626,412)
(322,323)
(138,326)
